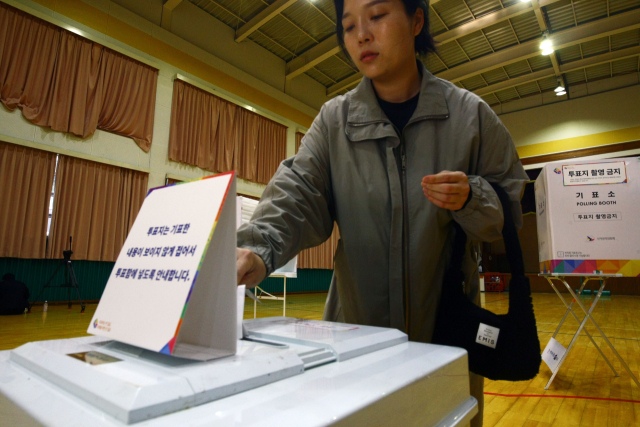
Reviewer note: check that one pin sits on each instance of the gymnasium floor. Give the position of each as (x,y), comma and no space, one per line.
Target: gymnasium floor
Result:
(584,393)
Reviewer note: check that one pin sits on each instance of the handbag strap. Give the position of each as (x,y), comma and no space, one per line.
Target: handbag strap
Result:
(509,234)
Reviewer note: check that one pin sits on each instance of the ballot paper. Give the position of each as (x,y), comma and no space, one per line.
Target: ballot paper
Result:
(173,287)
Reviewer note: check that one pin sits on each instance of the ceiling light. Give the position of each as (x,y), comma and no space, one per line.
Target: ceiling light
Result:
(525,1)
(561,93)
(560,87)
(546,46)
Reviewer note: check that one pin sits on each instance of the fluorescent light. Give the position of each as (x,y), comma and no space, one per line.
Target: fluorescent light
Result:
(561,93)
(548,51)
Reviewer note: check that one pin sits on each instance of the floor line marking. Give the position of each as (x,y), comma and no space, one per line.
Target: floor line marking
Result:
(564,397)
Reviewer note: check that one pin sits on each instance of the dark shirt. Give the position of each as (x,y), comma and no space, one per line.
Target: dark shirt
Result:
(399,112)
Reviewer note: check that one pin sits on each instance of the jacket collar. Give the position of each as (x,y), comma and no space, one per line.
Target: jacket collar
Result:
(366,120)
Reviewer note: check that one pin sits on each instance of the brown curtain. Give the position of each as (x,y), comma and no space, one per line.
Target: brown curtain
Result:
(26,178)
(299,136)
(248,144)
(272,149)
(218,135)
(97,205)
(320,256)
(70,84)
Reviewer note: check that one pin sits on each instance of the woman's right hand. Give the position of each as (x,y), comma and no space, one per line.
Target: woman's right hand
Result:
(250,268)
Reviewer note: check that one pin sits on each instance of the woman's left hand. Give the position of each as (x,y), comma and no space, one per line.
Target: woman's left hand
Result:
(448,190)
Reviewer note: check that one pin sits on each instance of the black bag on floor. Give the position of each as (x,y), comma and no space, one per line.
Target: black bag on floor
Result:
(500,347)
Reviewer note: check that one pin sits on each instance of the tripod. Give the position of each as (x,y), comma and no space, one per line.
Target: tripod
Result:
(71,280)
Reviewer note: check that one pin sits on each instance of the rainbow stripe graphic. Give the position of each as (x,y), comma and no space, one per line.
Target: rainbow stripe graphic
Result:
(626,267)
(168,348)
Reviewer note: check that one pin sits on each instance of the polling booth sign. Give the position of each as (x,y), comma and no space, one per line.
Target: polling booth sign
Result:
(173,287)
(587,217)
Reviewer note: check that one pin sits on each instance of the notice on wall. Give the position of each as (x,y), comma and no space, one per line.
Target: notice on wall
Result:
(595,173)
(176,273)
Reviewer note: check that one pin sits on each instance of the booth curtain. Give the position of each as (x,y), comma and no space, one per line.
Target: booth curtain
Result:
(320,256)
(70,84)
(96,204)
(218,135)
(26,178)
(299,136)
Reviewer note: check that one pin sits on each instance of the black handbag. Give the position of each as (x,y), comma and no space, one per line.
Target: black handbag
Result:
(500,347)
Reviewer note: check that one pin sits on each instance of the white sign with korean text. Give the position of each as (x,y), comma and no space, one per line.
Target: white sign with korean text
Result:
(553,354)
(589,228)
(172,289)
(595,173)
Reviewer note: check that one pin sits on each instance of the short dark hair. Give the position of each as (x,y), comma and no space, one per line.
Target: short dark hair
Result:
(424,43)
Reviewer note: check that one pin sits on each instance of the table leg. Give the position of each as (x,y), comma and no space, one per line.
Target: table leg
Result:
(573,341)
(568,308)
(575,316)
(588,315)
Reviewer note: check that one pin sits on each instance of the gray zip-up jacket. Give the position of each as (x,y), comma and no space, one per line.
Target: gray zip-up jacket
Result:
(386,273)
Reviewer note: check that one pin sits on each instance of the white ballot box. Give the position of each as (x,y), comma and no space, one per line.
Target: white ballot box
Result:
(286,372)
(588,217)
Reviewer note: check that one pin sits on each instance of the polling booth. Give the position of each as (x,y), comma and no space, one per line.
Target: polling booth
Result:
(169,346)
(588,226)
(246,207)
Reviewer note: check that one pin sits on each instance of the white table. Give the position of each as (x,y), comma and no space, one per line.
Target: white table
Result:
(561,277)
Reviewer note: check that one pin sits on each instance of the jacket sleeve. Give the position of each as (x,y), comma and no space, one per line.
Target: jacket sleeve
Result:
(296,209)
(497,162)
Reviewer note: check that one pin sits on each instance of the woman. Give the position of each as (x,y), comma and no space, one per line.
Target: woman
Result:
(394,162)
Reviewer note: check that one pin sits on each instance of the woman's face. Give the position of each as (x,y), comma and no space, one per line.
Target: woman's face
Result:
(380,36)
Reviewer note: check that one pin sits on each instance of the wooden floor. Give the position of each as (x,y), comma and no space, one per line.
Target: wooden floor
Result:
(584,393)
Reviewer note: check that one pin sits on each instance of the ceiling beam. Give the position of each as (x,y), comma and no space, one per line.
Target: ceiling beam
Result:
(167,13)
(586,32)
(496,17)
(555,63)
(262,18)
(593,30)
(343,84)
(536,8)
(601,59)
(312,57)
(572,66)
(484,22)
(488,62)
(330,47)
(542,23)
(516,81)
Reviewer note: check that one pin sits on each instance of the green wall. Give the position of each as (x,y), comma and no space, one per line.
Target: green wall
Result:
(93,275)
